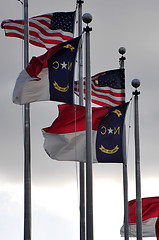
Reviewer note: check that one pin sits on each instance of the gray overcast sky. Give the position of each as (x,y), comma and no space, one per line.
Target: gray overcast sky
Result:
(132,24)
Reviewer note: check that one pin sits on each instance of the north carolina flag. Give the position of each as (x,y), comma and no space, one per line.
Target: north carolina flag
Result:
(150,220)
(49,76)
(65,139)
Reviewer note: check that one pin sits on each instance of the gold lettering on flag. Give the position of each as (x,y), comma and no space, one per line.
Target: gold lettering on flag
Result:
(116,130)
(61,89)
(105,130)
(69,46)
(55,65)
(69,66)
(109,151)
(118,112)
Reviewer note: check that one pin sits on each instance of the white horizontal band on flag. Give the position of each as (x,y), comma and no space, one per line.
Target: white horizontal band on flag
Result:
(28,89)
(148,228)
(69,146)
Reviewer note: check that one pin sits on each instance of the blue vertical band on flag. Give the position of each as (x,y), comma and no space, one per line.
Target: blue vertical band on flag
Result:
(109,142)
(61,72)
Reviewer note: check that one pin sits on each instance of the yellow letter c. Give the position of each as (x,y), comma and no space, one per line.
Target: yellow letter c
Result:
(55,65)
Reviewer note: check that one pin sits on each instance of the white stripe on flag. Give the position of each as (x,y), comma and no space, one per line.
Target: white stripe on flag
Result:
(148,228)
(68,146)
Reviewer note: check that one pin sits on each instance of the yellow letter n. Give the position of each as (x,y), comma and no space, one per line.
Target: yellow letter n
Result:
(116,130)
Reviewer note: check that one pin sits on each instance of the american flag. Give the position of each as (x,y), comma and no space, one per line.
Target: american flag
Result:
(108,88)
(45,30)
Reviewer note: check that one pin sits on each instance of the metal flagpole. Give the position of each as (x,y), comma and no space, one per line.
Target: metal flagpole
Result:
(122,51)
(87,18)
(81,165)
(80,2)
(27,167)
(136,84)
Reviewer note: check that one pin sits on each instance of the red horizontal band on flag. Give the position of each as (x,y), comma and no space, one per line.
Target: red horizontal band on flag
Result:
(38,63)
(150,209)
(75,120)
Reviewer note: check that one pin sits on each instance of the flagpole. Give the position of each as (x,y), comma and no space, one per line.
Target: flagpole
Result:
(81,165)
(27,167)
(122,51)
(80,2)
(87,18)
(136,84)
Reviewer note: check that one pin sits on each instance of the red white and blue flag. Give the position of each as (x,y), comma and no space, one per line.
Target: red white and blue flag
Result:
(45,31)
(49,76)
(108,88)
(65,139)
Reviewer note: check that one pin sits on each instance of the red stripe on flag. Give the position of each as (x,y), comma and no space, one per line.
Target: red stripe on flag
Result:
(103,96)
(38,63)
(75,120)
(150,209)
(39,30)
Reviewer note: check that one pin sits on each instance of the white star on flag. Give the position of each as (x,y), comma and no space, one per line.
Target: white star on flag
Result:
(110,130)
(64,65)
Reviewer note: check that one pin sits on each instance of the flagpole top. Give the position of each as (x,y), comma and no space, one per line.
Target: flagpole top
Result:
(136,83)
(87,18)
(122,50)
